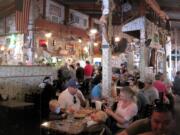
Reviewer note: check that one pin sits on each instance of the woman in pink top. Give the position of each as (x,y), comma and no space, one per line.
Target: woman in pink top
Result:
(125,111)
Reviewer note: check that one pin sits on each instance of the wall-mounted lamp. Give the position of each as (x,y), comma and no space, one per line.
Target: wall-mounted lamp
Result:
(48,35)
(80,40)
(86,49)
(95,44)
(117,39)
(93,31)
(2,48)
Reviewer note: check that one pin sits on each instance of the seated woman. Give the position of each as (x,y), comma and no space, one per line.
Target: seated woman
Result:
(125,111)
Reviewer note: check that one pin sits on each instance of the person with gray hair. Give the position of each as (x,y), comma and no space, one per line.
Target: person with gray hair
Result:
(150,93)
(125,111)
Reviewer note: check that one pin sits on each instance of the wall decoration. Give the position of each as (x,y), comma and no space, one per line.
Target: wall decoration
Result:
(70,49)
(10,24)
(2,23)
(78,19)
(38,8)
(55,12)
(96,24)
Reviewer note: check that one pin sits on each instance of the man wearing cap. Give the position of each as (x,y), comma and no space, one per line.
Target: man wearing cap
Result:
(71,99)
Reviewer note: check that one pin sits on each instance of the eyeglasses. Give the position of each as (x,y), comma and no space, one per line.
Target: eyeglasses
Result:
(74,100)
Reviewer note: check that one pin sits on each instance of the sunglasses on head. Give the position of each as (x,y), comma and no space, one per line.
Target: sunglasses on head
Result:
(74,100)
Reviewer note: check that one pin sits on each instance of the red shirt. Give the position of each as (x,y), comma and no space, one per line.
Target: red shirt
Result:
(88,70)
(160,86)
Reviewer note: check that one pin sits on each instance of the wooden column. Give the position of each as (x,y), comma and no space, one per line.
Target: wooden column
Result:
(106,51)
(176,54)
(170,60)
(164,59)
(31,34)
(143,49)
(130,60)
(142,65)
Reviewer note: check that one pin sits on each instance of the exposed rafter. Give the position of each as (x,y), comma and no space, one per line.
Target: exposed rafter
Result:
(76,2)
(155,6)
(174,20)
(171,9)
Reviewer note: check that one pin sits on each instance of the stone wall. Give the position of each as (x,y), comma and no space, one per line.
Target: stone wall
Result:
(15,81)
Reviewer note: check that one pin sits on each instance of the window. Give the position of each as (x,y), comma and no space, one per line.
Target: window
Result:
(84,22)
(74,18)
(55,19)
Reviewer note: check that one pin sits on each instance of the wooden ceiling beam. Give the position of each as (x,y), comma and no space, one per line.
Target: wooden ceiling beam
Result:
(6,3)
(90,12)
(174,20)
(155,6)
(171,9)
(5,6)
(9,9)
(76,2)
(86,6)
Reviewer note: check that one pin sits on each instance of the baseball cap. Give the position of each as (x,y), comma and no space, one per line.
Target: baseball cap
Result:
(72,83)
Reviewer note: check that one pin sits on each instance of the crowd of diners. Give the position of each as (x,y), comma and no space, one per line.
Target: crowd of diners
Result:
(144,107)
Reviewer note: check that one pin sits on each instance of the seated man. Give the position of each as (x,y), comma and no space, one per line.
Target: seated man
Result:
(96,93)
(160,123)
(71,99)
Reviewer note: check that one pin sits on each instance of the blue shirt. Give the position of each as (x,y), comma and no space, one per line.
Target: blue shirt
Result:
(96,92)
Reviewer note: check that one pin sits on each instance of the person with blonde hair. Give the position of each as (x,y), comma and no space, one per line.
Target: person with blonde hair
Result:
(56,111)
(54,106)
(125,111)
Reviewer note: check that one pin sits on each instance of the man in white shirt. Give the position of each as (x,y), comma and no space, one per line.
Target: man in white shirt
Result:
(71,99)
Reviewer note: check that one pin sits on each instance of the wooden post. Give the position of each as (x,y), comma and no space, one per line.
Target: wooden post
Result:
(164,58)
(176,43)
(106,51)
(142,54)
(31,33)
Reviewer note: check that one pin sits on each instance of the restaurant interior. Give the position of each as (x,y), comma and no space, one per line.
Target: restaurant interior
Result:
(123,43)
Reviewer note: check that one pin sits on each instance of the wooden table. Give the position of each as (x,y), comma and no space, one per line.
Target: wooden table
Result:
(66,126)
(15,104)
(74,124)
(14,115)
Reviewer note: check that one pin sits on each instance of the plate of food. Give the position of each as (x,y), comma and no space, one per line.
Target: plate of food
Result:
(82,113)
(79,115)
